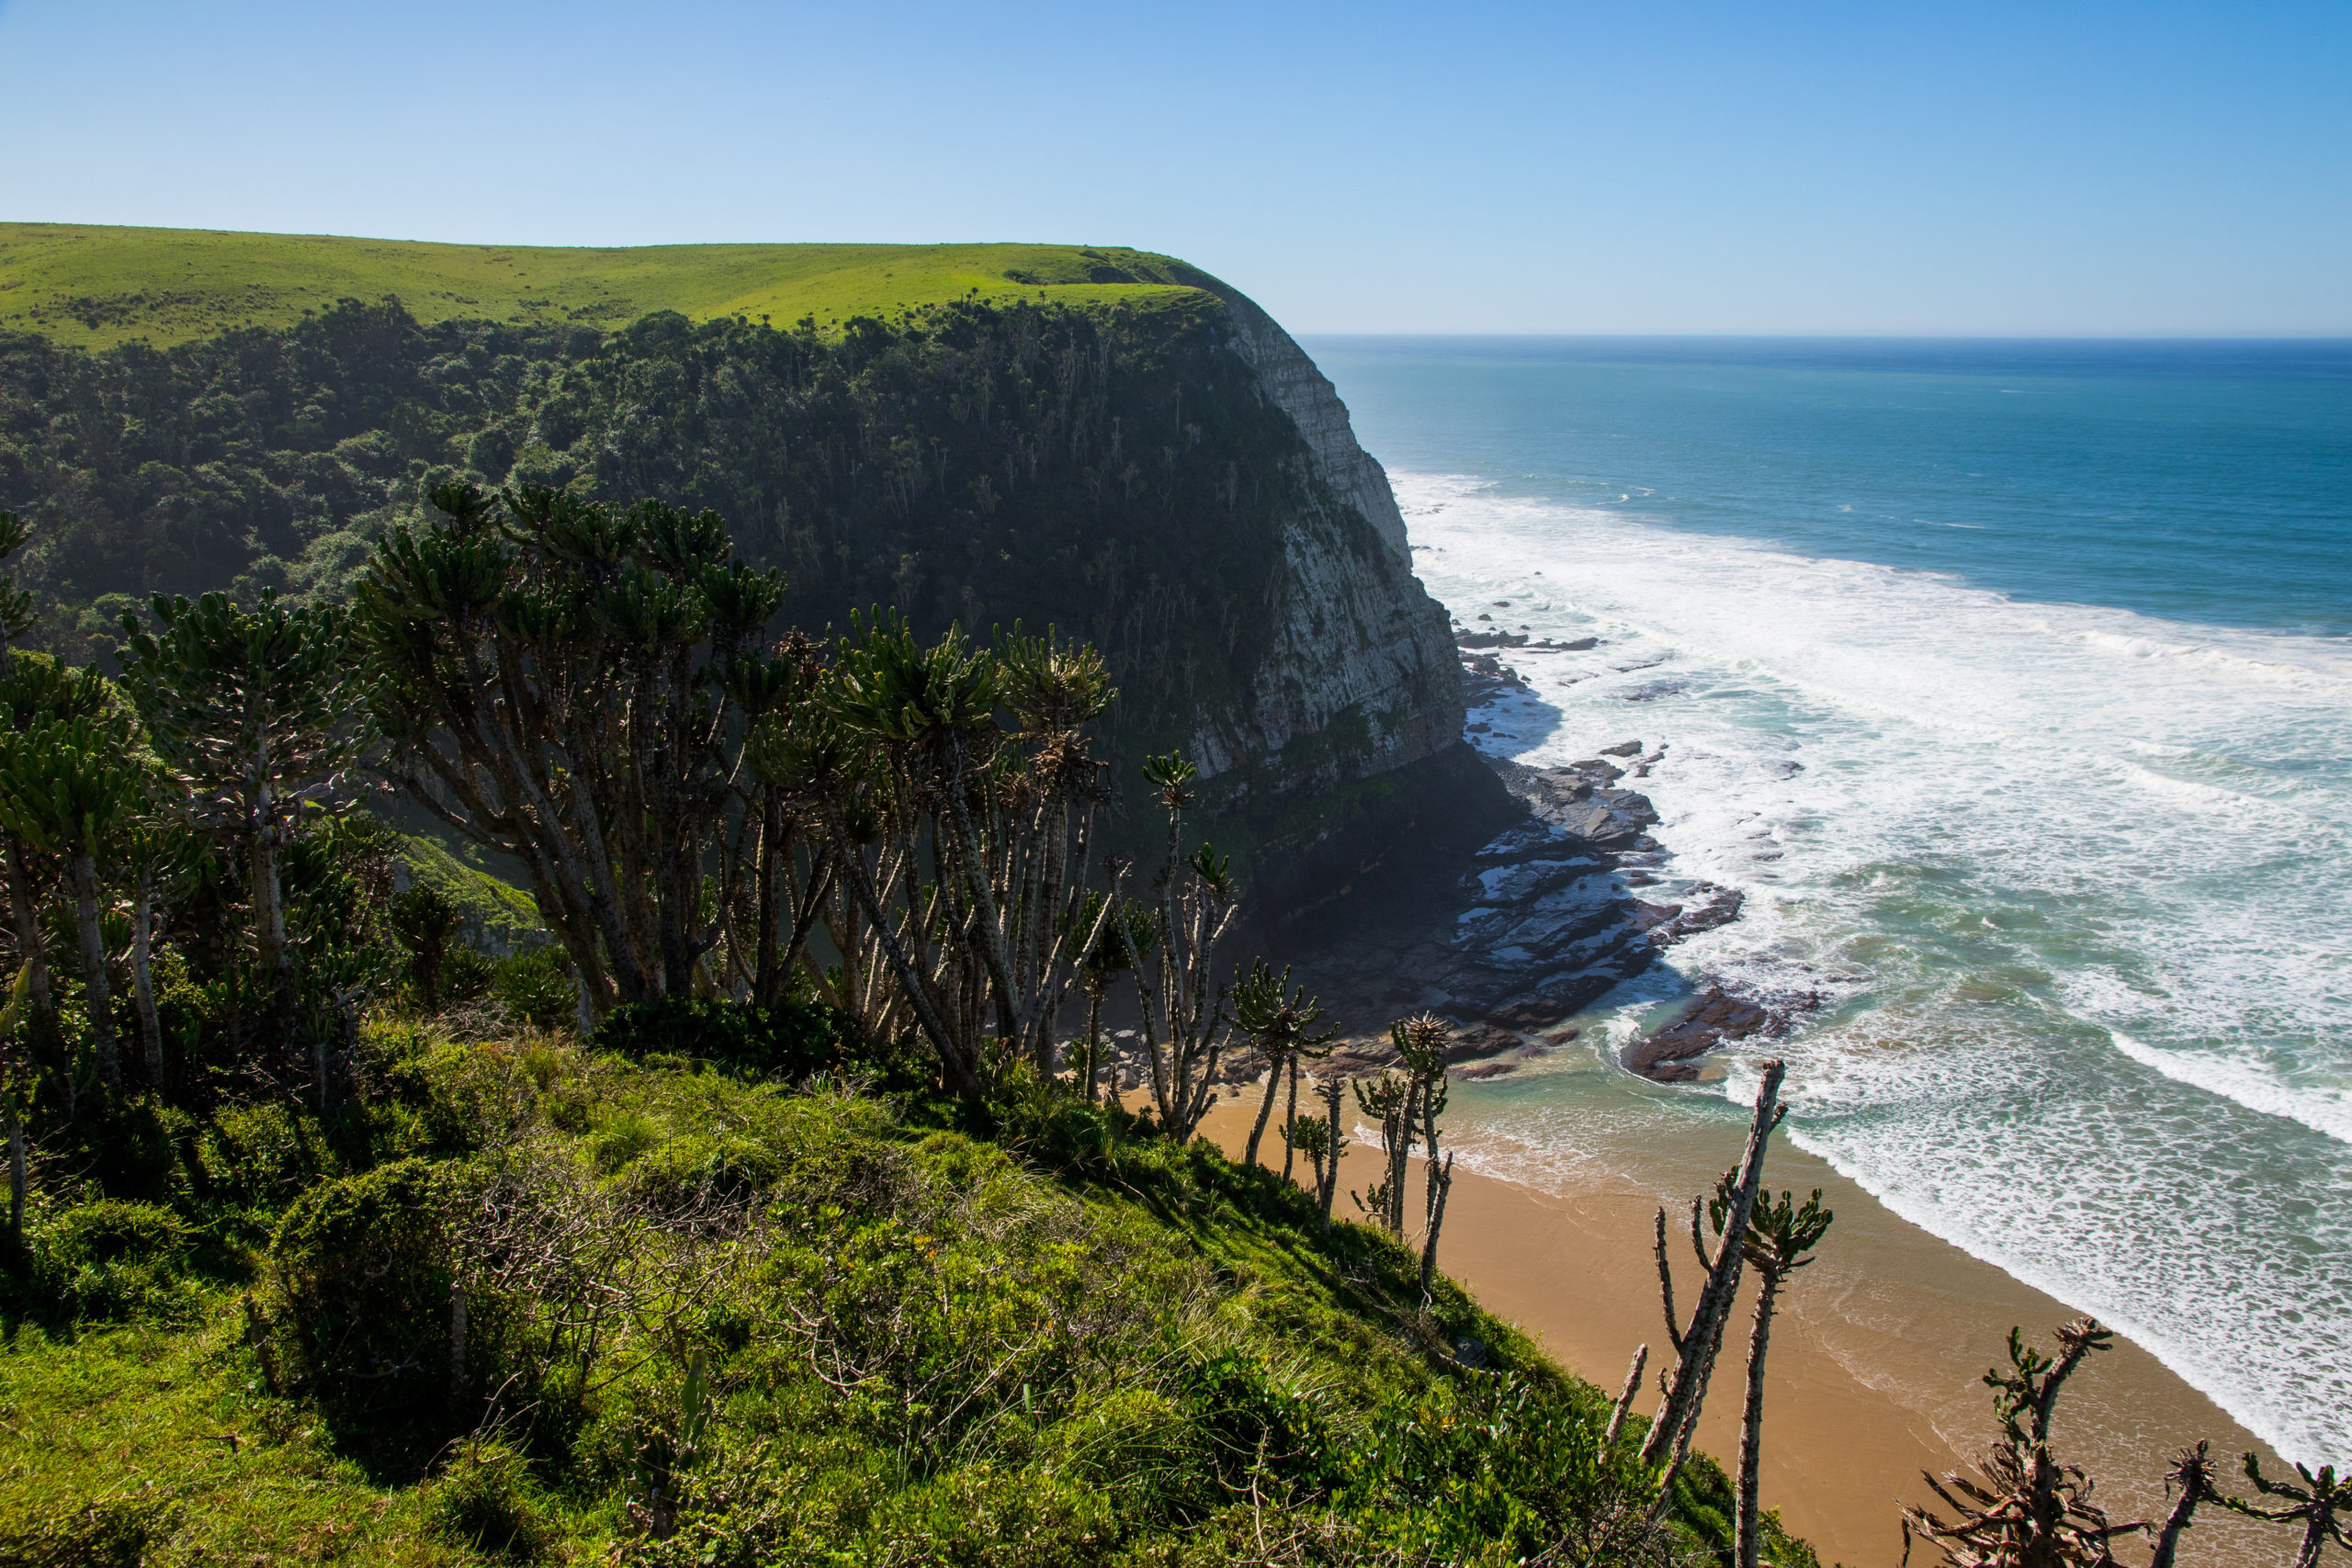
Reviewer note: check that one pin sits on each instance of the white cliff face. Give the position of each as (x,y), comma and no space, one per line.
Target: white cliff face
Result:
(1362,677)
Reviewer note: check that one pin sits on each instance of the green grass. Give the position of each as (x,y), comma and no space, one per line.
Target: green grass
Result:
(166,1434)
(94,286)
(499,916)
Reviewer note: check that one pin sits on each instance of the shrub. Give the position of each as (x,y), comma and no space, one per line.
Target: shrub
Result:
(485,1501)
(536,986)
(467,976)
(116,1258)
(258,1156)
(82,1533)
(361,1276)
(790,1040)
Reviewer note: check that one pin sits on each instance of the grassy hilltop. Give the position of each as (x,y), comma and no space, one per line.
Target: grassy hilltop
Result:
(93,286)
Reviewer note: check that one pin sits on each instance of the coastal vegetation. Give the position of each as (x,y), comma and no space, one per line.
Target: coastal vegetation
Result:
(785,1234)
(1115,472)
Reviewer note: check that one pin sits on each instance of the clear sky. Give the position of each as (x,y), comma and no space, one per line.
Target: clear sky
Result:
(1756,166)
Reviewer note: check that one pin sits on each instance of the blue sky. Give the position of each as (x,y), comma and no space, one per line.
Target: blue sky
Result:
(1766,167)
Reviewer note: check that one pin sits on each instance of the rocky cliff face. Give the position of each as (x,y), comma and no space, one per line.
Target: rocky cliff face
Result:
(1363,676)
(1354,719)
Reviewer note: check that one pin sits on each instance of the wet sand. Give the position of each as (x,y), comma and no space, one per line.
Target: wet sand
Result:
(1876,1355)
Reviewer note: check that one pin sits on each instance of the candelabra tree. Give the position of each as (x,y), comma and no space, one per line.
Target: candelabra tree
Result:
(1118,940)
(69,788)
(1696,1341)
(263,713)
(1193,905)
(2190,1484)
(36,693)
(553,678)
(958,843)
(1323,1140)
(2024,1509)
(2321,1505)
(1781,1239)
(1280,1021)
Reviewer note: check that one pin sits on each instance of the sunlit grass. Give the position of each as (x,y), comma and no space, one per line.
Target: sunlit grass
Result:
(94,287)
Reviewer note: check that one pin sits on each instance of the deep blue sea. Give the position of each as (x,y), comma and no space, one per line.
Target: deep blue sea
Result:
(2013,683)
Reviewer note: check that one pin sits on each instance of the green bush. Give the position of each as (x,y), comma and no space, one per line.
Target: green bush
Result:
(258,1156)
(791,1041)
(467,976)
(536,988)
(115,1259)
(485,1501)
(111,1532)
(361,1276)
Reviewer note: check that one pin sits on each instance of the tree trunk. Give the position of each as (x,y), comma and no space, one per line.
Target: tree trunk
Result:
(1751,1423)
(1327,1178)
(1697,1345)
(269,910)
(1290,1121)
(26,918)
(1625,1405)
(96,995)
(1265,1110)
(1440,1183)
(1093,1043)
(2169,1539)
(457,1341)
(143,979)
(15,1175)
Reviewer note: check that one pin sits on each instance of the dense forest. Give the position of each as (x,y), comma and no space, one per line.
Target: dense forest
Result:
(1114,473)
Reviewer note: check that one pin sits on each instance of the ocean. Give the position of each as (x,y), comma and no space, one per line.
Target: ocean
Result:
(2012,681)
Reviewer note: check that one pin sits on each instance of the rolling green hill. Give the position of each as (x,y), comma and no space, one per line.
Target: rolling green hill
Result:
(93,286)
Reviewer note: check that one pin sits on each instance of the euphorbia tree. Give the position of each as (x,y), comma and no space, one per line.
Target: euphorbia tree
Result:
(263,713)
(960,845)
(1193,903)
(1281,1020)
(554,687)
(1781,1235)
(36,691)
(70,788)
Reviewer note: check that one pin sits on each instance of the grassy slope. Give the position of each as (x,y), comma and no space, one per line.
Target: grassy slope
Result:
(162,1442)
(94,286)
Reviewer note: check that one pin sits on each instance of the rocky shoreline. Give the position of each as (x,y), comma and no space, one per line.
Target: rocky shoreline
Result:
(1512,921)
(1512,939)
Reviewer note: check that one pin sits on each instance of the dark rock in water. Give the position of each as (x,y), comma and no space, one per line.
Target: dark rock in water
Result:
(1711,906)
(1713,1019)
(1490,639)
(1538,1011)
(1477,1042)
(1593,768)
(1510,934)
(1624,749)
(1581,644)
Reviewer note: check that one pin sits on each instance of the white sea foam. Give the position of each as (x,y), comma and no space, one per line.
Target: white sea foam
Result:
(2066,879)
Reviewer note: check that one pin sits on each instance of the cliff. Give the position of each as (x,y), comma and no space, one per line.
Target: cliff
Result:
(1107,441)
(1353,728)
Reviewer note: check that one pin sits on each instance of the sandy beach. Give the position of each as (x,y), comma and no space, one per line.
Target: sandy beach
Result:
(1876,1355)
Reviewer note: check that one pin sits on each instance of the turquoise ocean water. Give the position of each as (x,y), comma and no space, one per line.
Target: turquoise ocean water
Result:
(2013,683)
